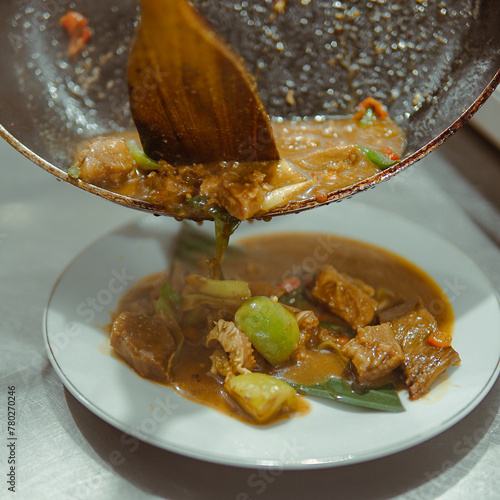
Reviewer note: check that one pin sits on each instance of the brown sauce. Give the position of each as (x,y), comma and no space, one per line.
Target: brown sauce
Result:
(273,259)
(276,258)
(318,156)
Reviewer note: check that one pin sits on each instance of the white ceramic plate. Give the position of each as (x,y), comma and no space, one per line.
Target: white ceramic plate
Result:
(331,434)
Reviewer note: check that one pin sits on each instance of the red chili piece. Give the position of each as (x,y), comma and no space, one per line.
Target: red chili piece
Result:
(77,28)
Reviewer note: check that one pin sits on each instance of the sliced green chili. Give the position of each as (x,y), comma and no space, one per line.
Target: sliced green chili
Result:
(378,159)
(142,159)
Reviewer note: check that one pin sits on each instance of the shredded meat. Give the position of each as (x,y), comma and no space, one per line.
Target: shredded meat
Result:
(348,298)
(374,352)
(412,324)
(220,362)
(236,349)
(240,196)
(306,320)
(308,327)
(325,335)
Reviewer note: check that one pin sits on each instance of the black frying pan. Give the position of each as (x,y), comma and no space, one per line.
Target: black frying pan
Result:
(432,63)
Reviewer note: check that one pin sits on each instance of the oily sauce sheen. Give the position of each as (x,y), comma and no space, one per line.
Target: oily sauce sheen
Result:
(273,259)
(318,157)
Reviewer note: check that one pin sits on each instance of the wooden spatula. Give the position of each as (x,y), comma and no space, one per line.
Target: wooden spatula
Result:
(192,97)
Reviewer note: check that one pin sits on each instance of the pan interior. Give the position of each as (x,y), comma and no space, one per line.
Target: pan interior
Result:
(427,61)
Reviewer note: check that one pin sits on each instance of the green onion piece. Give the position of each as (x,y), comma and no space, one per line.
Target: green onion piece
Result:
(143,161)
(368,118)
(169,301)
(215,293)
(192,301)
(228,289)
(198,202)
(383,398)
(74,171)
(377,158)
(296,298)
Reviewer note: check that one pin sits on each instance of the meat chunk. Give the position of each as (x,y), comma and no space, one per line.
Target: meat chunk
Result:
(105,161)
(308,326)
(374,352)
(220,363)
(241,193)
(306,320)
(412,324)
(233,352)
(346,297)
(145,343)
